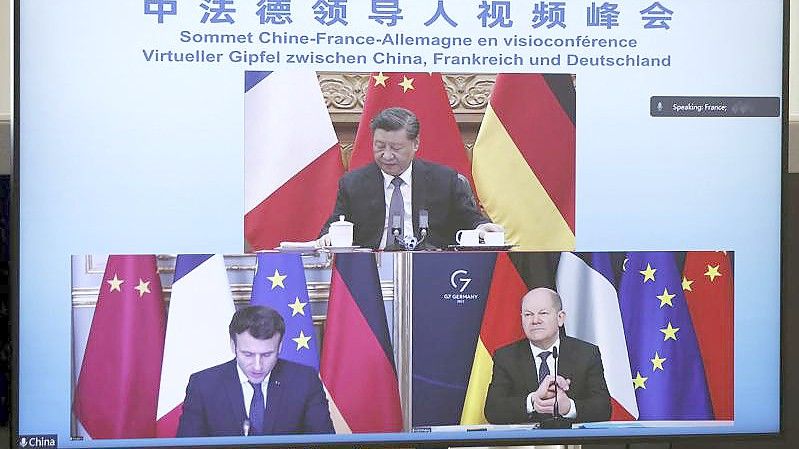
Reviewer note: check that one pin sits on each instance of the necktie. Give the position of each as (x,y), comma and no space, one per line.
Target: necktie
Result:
(257,410)
(396,209)
(543,370)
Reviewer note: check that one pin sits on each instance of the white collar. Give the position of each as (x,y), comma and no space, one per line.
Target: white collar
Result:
(537,351)
(405,176)
(244,380)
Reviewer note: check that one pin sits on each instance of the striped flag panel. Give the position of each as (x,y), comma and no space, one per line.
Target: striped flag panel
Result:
(200,310)
(357,365)
(524,160)
(292,159)
(501,326)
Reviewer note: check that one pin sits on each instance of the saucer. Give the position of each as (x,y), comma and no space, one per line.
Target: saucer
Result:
(310,249)
(480,247)
(343,249)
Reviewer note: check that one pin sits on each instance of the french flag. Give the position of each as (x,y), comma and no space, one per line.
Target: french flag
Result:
(197,336)
(357,365)
(292,159)
(591,304)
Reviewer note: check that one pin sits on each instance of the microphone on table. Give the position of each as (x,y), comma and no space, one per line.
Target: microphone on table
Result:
(245,427)
(556,421)
(424,228)
(424,223)
(396,231)
(555,412)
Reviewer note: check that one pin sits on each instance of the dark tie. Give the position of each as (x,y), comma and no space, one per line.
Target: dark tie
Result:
(543,371)
(257,410)
(396,209)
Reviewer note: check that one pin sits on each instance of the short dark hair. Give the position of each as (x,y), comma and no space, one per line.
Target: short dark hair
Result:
(392,119)
(261,322)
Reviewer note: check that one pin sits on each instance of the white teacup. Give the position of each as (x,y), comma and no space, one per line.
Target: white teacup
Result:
(341,233)
(468,237)
(496,238)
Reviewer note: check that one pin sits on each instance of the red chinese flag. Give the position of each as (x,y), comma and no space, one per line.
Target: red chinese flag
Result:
(424,95)
(708,287)
(117,391)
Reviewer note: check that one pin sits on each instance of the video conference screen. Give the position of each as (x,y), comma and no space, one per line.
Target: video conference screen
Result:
(310,222)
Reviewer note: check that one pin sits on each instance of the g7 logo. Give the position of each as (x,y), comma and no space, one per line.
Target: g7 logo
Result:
(458,277)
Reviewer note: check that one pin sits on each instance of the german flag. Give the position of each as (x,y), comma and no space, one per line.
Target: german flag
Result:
(523,162)
(357,366)
(501,326)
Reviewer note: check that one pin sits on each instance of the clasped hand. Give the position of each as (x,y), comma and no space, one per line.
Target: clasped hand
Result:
(544,397)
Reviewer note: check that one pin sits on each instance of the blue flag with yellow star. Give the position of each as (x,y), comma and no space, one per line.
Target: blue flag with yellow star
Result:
(280,284)
(665,362)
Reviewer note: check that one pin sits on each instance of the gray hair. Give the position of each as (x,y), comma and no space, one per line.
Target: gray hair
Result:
(556,301)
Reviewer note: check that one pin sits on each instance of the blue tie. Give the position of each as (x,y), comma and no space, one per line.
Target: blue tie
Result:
(257,410)
(396,208)
(543,371)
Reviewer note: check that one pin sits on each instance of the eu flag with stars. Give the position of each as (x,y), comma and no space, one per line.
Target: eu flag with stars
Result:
(665,362)
(280,284)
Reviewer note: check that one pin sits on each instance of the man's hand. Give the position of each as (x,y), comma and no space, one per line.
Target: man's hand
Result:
(544,397)
(564,404)
(323,241)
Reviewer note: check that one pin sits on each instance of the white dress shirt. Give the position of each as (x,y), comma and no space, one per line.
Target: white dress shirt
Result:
(551,365)
(248,391)
(405,189)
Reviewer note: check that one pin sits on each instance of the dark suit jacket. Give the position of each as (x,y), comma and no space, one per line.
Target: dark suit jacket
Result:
(214,404)
(436,188)
(515,377)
